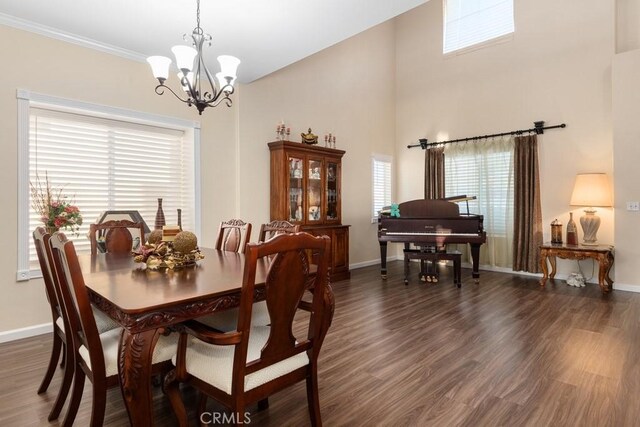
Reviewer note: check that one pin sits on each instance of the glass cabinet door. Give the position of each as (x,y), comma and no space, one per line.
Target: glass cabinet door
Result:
(296,189)
(314,191)
(332,191)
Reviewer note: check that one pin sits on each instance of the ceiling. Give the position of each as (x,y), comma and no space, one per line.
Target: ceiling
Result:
(265,34)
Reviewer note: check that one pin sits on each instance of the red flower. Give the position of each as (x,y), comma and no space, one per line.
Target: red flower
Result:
(71,209)
(59,222)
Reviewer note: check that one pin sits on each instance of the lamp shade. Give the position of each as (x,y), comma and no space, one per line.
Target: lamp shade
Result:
(184,57)
(228,65)
(591,189)
(159,66)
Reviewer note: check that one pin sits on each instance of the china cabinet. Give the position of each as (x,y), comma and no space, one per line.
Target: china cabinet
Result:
(306,190)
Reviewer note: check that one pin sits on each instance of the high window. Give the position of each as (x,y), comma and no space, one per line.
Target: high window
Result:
(381,174)
(470,22)
(105,162)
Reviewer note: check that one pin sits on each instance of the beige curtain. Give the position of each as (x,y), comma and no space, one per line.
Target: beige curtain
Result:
(527,236)
(434,173)
(485,169)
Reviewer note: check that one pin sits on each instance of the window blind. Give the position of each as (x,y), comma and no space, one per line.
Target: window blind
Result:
(489,177)
(381,172)
(103,164)
(469,22)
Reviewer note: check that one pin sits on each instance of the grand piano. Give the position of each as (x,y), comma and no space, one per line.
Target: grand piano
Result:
(426,222)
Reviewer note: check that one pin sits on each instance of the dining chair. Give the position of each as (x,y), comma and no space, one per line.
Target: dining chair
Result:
(60,341)
(116,235)
(233,235)
(247,365)
(94,355)
(273,228)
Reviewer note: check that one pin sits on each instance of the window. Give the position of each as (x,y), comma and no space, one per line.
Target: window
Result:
(381,175)
(105,163)
(470,22)
(485,170)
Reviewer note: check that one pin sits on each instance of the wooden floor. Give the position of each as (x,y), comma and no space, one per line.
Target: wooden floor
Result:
(503,352)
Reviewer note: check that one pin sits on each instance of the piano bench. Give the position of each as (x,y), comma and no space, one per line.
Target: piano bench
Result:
(434,257)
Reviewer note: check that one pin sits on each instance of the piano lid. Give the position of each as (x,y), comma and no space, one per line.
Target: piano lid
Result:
(428,208)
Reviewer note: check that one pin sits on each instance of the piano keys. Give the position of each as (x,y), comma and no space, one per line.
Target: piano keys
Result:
(431,222)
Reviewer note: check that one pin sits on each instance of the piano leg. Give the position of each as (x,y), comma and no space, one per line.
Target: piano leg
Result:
(383,259)
(475,257)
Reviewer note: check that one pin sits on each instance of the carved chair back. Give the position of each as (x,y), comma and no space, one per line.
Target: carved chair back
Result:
(233,235)
(274,228)
(116,235)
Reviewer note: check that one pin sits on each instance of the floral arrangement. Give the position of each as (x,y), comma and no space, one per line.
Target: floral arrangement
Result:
(54,208)
(158,254)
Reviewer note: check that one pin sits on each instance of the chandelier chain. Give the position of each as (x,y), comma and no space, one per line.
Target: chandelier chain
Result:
(198,13)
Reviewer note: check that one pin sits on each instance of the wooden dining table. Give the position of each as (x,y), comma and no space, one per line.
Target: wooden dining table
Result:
(146,303)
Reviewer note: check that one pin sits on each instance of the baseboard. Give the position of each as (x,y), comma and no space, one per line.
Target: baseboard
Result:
(626,287)
(370,263)
(29,331)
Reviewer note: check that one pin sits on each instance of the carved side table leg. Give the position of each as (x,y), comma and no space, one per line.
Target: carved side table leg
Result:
(605,262)
(543,266)
(609,265)
(134,368)
(552,261)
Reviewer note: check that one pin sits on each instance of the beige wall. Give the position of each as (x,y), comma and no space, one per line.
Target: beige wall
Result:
(60,69)
(556,68)
(348,90)
(627,25)
(378,92)
(626,131)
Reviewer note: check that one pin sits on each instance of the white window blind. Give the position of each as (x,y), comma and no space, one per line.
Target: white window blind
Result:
(381,173)
(104,164)
(469,22)
(488,175)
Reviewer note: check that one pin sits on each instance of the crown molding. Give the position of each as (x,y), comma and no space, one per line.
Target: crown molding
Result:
(54,33)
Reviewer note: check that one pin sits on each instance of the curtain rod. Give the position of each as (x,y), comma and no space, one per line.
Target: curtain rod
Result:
(538,129)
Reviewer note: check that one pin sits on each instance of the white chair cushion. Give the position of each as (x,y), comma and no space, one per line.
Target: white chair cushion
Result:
(214,363)
(103,322)
(227,321)
(60,323)
(165,349)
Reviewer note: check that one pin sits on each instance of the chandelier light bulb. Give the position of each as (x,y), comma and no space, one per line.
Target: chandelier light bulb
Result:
(222,82)
(189,79)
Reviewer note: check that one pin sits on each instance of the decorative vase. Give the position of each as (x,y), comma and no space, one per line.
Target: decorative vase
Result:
(51,230)
(160,221)
(572,231)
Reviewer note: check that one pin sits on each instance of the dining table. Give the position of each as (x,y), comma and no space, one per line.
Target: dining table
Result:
(147,303)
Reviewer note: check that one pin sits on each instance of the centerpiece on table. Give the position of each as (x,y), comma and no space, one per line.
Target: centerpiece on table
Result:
(166,249)
(55,209)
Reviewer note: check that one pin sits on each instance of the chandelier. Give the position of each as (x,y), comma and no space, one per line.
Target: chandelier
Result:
(200,88)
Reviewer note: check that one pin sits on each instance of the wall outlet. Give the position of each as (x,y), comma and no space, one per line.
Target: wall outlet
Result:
(633,206)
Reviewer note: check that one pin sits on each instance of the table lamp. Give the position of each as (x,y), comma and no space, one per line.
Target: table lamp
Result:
(591,190)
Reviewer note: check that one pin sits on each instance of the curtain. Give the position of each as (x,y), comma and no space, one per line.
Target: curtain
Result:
(528,213)
(434,173)
(485,169)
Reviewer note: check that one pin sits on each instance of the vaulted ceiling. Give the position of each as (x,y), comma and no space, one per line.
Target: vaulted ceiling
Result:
(265,34)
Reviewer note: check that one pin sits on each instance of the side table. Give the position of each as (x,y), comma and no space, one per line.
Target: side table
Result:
(603,254)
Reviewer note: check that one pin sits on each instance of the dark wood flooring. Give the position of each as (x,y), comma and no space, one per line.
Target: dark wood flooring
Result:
(504,352)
